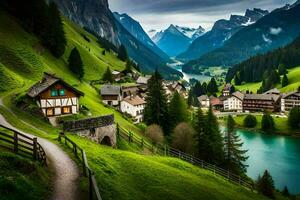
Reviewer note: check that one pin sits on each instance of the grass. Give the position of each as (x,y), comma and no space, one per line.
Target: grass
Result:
(281,125)
(21,178)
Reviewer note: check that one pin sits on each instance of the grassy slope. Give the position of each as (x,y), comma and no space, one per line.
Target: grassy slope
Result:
(121,175)
(294,82)
(18,176)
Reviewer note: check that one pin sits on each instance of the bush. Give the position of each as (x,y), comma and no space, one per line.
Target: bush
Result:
(267,123)
(294,118)
(250,121)
(183,137)
(155,133)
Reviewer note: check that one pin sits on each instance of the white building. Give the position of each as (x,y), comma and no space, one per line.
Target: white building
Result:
(111,94)
(134,106)
(290,101)
(204,101)
(234,102)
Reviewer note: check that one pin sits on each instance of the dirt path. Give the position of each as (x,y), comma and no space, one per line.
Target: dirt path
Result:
(66,171)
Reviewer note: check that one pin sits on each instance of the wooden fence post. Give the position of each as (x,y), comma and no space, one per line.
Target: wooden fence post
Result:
(15,142)
(34,148)
(91,185)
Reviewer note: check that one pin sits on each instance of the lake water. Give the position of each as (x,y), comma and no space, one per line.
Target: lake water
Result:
(278,154)
(187,77)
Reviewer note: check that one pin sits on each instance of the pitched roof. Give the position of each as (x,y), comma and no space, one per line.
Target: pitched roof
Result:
(143,79)
(47,81)
(203,98)
(267,97)
(215,101)
(227,86)
(291,93)
(273,91)
(110,89)
(238,95)
(135,100)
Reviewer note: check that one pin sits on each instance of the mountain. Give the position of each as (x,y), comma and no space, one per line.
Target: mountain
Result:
(138,32)
(220,33)
(192,33)
(274,30)
(96,16)
(175,39)
(254,69)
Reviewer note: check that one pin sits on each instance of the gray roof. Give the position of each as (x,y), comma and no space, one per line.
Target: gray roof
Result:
(238,95)
(227,86)
(272,91)
(267,97)
(291,93)
(203,98)
(47,81)
(110,89)
(143,80)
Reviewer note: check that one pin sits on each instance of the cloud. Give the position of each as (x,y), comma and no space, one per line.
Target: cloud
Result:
(275,31)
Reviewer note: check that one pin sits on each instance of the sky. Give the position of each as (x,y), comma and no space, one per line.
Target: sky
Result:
(159,14)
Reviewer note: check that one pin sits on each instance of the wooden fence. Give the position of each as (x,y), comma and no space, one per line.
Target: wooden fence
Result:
(22,145)
(164,150)
(87,171)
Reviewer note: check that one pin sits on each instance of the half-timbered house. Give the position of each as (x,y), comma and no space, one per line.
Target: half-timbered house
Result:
(55,97)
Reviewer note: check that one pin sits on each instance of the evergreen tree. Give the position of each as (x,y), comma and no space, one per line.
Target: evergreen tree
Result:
(177,110)
(265,185)
(108,76)
(285,192)
(128,68)
(294,118)
(75,63)
(122,54)
(234,156)
(212,87)
(199,124)
(190,100)
(237,80)
(282,69)
(267,123)
(285,81)
(198,90)
(214,141)
(204,88)
(156,109)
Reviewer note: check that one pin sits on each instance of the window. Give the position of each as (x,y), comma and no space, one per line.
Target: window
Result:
(61,92)
(54,93)
(50,112)
(66,110)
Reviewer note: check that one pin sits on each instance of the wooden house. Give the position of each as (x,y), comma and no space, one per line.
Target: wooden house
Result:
(261,102)
(289,101)
(55,97)
(111,94)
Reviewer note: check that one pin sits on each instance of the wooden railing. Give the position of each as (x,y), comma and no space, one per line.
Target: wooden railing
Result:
(22,144)
(87,171)
(164,150)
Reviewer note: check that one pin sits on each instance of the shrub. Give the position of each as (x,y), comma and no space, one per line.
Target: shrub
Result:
(294,118)
(183,137)
(267,123)
(155,133)
(250,121)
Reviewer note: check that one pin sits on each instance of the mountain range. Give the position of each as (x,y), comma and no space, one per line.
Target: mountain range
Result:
(274,30)
(96,16)
(175,39)
(220,33)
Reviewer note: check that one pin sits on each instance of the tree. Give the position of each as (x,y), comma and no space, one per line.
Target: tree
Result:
(128,68)
(75,63)
(156,109)
(155,133)
(285,81)
(285,192)
(212,86)
(294,118)
(267,123)
(250,121)
(234,156)
(183,137)
(122,53)
(177,110)
(282,69)
(214,152)
(237,80)
(265,185)
(108,76)
(201,138)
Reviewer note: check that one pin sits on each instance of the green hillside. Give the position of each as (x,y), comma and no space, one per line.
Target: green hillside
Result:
(120,174)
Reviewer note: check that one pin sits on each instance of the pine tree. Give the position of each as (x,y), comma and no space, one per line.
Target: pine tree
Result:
(282,69)
(128,68)
(177,110)
(214,141)
(156,109)
(267,123)
(190,100)
(265,185)
(294,118)
(122,54)
(234,156)
(212,87)
(75,63)
(250,121)
(199,124)
(285,192)
(237,80)
(285,81)
(108,76)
